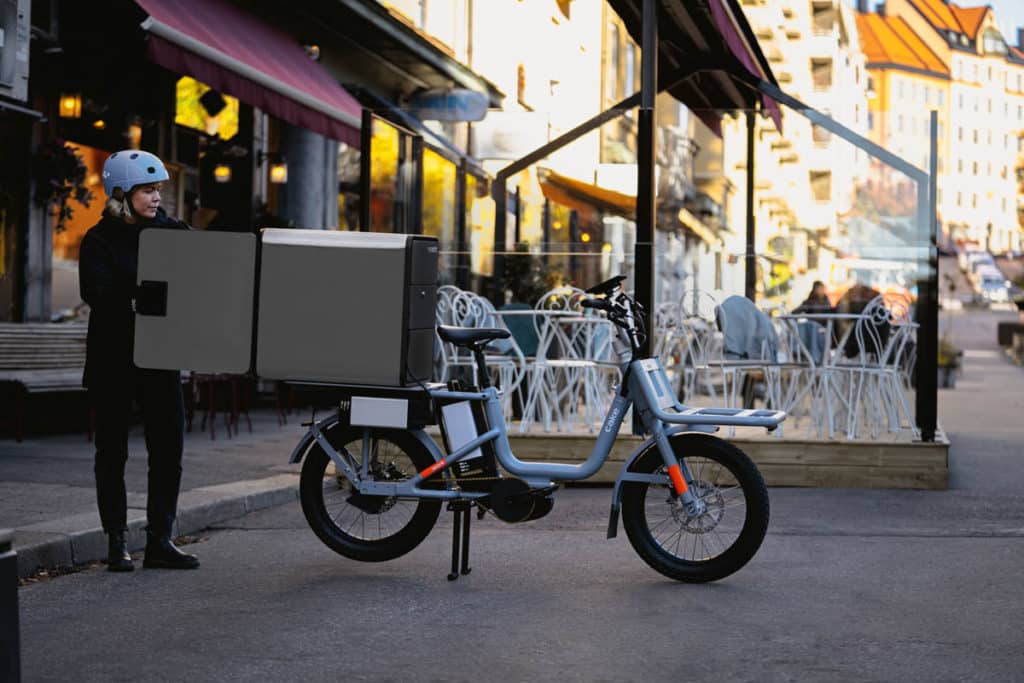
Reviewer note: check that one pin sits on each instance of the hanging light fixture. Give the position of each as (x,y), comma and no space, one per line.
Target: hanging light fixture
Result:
(222,173)
(279,172)
(71,106)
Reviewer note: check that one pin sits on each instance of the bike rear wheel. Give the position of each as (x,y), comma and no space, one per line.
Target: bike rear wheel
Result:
(714,544)
(361,527)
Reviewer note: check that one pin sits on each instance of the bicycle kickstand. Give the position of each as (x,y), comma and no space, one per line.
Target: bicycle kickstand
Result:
(461,508)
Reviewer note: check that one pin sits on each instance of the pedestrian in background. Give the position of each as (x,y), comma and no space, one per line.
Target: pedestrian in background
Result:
(817,301)
(107,278)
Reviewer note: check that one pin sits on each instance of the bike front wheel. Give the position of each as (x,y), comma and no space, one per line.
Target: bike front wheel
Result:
(709,546)
(358,526)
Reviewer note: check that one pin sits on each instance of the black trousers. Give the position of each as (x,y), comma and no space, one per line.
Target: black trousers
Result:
(158,393)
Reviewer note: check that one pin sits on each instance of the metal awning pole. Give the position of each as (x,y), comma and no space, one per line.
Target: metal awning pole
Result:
(643,270)
(925,408)
(750,257)
(499,190)
(643,273)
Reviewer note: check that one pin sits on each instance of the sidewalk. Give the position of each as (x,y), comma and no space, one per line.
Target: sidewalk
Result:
(47,492)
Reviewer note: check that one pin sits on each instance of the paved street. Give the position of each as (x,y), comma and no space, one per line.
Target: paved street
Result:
(866,585)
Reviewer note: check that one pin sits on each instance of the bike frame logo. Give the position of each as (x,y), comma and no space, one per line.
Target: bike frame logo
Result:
(613,417)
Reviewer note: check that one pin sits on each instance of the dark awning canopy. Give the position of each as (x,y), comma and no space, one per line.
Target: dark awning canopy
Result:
(715,36)
(387,54)
(239,54)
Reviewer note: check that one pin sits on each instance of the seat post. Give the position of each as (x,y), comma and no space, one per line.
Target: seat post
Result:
(483,379)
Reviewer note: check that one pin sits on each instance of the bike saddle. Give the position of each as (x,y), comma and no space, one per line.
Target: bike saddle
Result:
(468,336)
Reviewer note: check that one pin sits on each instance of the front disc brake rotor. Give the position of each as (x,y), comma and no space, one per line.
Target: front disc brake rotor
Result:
(714,509)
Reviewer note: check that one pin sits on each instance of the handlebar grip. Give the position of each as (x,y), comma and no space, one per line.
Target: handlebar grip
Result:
(599,304)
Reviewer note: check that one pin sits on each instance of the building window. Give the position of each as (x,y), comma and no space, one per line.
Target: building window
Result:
(821,135)
(960,133)
(821,73)
(975,136)
(821,185)
(974,201)
(613,62)
(871,120)
(942,98)
(974,168)
(960,165)
(960,101)
(521,86)
(630,69)
(959,199)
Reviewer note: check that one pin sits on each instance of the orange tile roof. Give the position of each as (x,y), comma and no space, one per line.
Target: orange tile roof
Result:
(946,16)
(890,40)
(970,18)
(938,13)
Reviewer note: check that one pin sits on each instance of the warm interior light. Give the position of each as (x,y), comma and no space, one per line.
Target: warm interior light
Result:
(585,237)
(134,135)
(279,173)
(71,106)
(606,248)
(557,225)
(222,173)
(99,124)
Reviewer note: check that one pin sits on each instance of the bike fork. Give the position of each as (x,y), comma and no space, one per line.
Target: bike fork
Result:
(461,509)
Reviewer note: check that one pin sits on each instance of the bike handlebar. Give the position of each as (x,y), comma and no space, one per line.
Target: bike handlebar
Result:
(599,304)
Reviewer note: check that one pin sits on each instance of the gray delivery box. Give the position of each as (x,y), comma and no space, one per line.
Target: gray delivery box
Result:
(340,307)
(349,307)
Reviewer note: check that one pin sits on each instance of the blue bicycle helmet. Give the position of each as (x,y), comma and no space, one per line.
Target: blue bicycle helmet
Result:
(131,167)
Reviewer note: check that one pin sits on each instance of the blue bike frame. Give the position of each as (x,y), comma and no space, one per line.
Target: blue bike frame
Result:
(646,388)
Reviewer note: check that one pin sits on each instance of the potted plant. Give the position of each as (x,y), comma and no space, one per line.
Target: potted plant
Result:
(59,174)
(948,363)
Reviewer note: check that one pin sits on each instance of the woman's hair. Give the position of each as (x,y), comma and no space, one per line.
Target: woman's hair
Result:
(119,205)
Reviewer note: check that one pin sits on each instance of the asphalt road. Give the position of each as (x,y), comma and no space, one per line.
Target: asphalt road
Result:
(849,585)
(865,585)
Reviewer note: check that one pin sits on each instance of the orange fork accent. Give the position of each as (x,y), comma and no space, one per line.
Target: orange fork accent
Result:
(677,479)
(437,466)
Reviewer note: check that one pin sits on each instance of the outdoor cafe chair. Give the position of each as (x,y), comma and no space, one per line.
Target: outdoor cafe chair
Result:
(505,360)
(574,371)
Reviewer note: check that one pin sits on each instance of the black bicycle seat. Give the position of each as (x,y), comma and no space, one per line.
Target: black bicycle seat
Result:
(468,336)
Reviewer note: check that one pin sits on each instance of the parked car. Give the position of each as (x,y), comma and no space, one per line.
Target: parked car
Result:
(992,285)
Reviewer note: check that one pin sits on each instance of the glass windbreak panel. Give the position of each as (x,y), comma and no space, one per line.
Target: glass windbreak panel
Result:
(439,209)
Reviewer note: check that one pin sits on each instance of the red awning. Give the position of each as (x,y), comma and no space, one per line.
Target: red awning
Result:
(742,50)
(240,55)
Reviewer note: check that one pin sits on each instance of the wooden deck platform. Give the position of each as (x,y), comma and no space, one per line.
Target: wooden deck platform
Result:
(836,463)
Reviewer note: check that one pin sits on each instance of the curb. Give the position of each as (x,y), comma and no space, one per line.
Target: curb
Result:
(79,539)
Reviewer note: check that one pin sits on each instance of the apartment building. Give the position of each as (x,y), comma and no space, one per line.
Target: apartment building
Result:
(805,177)
(932,54)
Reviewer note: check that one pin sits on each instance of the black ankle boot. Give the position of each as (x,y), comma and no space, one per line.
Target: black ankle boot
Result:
(162,554)
(118,559)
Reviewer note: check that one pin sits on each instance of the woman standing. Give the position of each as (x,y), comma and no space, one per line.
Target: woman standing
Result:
(107,275)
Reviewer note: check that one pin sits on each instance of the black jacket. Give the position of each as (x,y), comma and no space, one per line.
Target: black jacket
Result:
(107,273)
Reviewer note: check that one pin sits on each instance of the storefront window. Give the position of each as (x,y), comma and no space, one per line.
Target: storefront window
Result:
(383,176)
(480,221)
(200,108)
(439,206)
